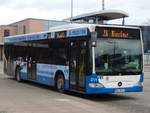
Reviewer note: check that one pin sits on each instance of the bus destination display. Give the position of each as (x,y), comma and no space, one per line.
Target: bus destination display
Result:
(122,33)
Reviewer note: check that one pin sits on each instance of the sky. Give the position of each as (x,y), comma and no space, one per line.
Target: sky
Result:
(16,10)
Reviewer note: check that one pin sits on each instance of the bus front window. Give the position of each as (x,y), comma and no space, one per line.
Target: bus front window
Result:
(118,56)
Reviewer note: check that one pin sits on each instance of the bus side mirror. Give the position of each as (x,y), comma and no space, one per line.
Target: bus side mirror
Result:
(93,39)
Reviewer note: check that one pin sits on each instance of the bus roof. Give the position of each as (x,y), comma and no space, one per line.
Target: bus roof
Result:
(71,30)
(91,27)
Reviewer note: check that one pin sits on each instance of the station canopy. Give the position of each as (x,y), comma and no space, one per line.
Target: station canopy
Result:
(103,15)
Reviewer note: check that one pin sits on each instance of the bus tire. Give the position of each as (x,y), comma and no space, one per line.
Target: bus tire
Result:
(60,83)
(17,74)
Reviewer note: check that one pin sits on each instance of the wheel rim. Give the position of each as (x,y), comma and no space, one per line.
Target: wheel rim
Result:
(60,83)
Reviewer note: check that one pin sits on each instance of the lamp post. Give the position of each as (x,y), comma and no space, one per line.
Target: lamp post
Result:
(103,4)
(71,10)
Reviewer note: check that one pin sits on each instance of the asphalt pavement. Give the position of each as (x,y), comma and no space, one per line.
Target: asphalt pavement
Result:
(27,97)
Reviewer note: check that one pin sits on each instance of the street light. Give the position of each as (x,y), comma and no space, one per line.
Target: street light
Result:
(71,10)
(103,4)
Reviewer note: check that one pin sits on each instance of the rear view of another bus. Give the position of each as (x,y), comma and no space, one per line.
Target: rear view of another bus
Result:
(118,57)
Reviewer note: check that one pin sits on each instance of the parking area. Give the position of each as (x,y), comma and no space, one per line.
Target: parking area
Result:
(27,97)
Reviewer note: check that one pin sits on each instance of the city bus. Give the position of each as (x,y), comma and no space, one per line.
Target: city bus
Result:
(85,58)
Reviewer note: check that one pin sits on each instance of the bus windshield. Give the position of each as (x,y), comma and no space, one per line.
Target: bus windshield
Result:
(118,56)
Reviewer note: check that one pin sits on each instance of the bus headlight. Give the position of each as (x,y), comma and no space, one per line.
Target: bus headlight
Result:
(96,85)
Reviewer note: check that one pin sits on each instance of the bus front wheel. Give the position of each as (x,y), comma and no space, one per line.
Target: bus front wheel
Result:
(17,74)
(60,83)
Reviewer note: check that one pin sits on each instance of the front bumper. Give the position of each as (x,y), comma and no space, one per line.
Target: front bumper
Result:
(94,84)
(113,90)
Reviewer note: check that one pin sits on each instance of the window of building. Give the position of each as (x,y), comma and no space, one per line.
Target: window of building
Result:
(24,29)
(6,32)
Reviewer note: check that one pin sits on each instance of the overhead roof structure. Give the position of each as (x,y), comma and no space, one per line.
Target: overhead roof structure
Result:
(103,15)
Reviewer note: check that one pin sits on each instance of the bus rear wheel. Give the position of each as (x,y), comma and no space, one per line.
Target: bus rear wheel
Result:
(17,74)
(60,83)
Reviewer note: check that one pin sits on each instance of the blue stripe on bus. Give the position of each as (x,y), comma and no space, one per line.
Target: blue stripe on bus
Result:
(66,84)
(141,78)
(50,81)
(45,80)
(112,90)
(23,76)
(94,79)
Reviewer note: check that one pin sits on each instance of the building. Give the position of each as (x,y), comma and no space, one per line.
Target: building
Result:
(5,30)
(26,26)
(31,25)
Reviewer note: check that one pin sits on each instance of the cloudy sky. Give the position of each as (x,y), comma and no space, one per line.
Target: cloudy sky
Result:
(15,10)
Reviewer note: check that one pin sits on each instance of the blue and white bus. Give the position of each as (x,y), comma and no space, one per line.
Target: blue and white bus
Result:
(92,59)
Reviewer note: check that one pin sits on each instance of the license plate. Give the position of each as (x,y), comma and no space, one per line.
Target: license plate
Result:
(119,90)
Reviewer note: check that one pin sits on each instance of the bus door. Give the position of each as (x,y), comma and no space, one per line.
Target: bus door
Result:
(31,68)
(77,64)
